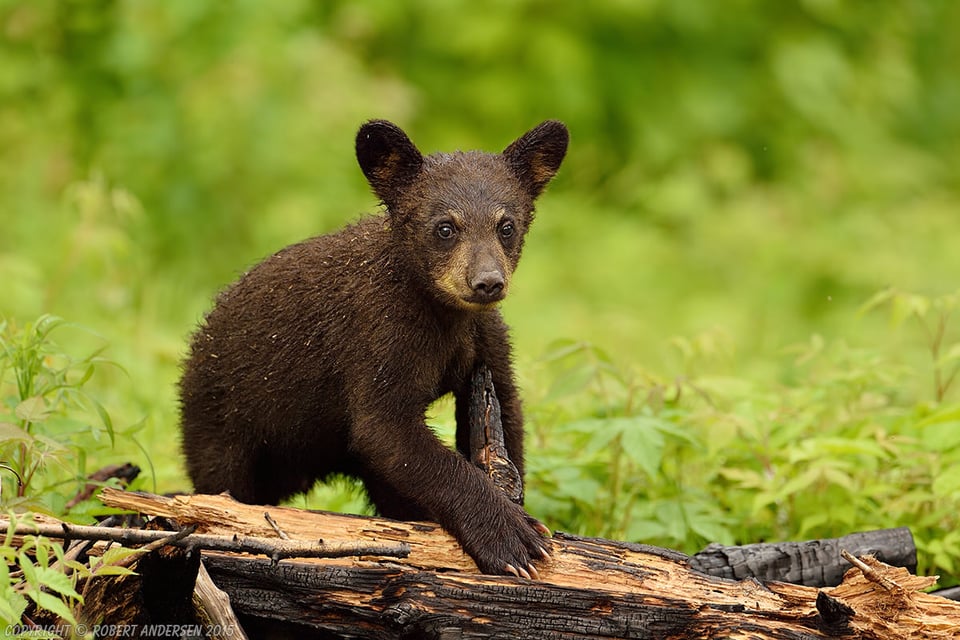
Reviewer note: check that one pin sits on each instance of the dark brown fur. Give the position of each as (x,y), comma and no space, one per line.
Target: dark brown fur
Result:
(323,358)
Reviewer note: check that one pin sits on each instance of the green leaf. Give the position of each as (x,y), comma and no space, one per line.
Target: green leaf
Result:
(55,580)
(744,478)
(643,444)
(839,478)
(671,514)
(949,414)
(642,530)
(906,305)
(113,555)
(114,570)
(811,522)
(876,300)
(679,432)
(711,529)
(603,434)
(29,570)
(570,383)
(12,607)
(11,433)
(33,409)
(560,349)
(53,604)
(941,436)
(87,374)
(582,488)
(799,483)
(105,418)
(838,448)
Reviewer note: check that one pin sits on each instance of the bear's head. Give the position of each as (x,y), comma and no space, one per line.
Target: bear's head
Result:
(459,219)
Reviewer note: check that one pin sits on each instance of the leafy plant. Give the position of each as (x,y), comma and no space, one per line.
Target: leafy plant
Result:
(37,580)
(632,448)
(933,315)
(788,165)
(49,423)
(46,578)
(839,442)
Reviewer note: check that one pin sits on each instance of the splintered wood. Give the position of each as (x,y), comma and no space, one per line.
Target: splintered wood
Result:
(592,588)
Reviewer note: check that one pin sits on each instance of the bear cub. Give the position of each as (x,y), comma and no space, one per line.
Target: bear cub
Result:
(323,358)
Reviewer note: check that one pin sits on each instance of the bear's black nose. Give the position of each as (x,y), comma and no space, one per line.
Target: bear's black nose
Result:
(488,284)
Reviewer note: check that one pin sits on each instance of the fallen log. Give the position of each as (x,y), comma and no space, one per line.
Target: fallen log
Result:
(592,588)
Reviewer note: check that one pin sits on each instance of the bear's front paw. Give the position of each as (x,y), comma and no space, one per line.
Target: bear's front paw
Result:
(508,542)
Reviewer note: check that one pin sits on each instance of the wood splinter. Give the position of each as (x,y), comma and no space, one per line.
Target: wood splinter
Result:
(273,524)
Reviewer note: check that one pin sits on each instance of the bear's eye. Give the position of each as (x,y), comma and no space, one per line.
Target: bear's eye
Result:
(507,229)
(446,230)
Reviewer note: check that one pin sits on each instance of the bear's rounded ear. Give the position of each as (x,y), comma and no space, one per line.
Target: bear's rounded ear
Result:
(535,156)
(388,159)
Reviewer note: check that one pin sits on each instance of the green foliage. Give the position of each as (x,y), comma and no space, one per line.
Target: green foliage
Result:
(49,422)
(837,445)
(47,580)
(49,425)
(36,576)
(933,316)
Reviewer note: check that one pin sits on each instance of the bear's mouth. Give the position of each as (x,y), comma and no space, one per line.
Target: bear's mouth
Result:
(484,299)
(475,301)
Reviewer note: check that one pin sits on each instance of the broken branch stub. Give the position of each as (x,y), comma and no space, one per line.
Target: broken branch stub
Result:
(487,446)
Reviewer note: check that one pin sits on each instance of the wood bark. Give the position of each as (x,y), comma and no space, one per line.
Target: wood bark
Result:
(275,549)
(488,449)
(125,473)
(592,588)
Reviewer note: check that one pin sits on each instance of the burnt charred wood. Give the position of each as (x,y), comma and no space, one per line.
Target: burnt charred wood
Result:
(160,593)
(951,593)
(488,449)
(389,602)
(834,616)
(125,473)
(815,563)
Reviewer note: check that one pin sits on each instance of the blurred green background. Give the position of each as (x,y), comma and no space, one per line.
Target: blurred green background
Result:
(742,175)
